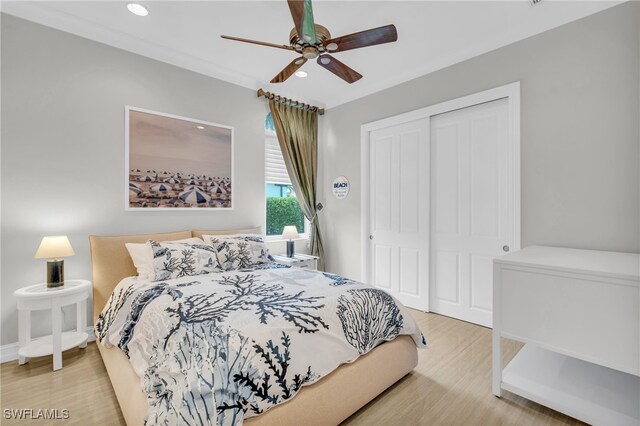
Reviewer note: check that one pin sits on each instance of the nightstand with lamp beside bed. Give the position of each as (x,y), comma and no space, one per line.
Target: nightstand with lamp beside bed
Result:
(299,260)
(52,295)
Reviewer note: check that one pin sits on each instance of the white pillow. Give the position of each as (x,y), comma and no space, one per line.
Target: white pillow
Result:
(239,251)
(142,256)
(176,260)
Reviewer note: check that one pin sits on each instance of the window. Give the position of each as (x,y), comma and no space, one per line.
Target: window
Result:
(282,205)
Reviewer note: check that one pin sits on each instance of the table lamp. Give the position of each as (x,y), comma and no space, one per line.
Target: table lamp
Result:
(290,233)
(53,248)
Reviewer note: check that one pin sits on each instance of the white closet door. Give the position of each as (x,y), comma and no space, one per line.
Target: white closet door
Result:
(470,211)
(399,212)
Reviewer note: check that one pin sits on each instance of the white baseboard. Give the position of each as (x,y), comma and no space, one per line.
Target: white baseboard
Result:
(9,352)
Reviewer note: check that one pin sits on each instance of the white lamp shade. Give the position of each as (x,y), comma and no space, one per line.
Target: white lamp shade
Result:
(54,247)
(290,233)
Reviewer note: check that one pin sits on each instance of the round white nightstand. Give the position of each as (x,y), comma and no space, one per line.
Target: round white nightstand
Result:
(38,297)
(298,260)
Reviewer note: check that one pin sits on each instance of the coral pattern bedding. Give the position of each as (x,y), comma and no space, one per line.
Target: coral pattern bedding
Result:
(221,347)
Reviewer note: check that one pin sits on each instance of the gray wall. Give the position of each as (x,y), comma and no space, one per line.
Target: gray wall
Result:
(63,101)
(63,150)
(580,135)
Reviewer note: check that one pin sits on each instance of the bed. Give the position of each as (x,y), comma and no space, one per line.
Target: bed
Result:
(328,401)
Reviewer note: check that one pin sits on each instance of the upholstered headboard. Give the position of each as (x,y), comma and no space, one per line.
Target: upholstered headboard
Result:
(110,260)
(200,233)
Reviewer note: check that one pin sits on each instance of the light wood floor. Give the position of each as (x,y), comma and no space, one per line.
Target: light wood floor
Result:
(450,386)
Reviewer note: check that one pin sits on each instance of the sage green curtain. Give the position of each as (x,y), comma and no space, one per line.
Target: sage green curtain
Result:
(297,131)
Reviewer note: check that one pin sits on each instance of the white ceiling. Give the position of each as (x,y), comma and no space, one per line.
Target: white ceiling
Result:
(431,35)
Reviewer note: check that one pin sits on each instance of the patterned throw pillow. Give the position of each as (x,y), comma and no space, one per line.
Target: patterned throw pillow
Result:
(175,260)
(142,256)
(239,251)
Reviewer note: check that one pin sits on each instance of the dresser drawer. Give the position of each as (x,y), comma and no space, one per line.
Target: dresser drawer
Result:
(588,317)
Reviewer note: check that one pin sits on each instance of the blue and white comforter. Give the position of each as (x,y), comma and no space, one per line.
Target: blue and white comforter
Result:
(216,348)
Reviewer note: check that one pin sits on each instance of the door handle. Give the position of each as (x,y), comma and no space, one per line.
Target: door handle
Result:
(371,237)
(505,248)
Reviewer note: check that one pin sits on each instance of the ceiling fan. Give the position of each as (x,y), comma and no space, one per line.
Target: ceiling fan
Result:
(314,41)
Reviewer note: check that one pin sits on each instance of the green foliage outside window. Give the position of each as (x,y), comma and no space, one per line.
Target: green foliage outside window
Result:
(283,211)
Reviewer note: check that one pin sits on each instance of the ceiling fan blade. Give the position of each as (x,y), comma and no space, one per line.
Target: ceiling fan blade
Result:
(261,43)
(289,70)
(338,68)
(302,14)
(366,38)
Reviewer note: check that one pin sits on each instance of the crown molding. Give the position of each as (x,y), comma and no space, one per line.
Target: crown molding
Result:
(44,15)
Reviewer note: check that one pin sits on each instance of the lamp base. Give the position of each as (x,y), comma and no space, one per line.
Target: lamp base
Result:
(55,273)
(290,248)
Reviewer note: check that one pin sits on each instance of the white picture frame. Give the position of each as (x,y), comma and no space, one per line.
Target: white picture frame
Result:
(177,163)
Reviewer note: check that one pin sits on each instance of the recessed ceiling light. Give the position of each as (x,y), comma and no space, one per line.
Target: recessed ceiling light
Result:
(200,127)
(301,74)
(137,9)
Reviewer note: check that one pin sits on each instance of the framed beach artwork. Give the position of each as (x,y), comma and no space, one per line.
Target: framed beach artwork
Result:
(177,163)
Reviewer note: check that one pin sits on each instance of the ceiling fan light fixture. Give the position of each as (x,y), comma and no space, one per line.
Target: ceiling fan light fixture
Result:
(137,9)
(314,41)
(310,52)
(301,74)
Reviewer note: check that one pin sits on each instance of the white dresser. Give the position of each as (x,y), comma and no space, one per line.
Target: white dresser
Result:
(578,313)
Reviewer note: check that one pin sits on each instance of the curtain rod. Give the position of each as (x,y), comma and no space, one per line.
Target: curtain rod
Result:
(283,100)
